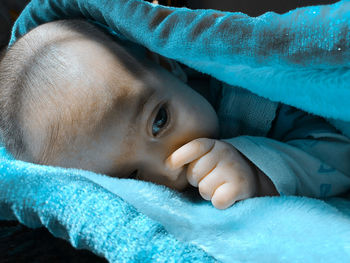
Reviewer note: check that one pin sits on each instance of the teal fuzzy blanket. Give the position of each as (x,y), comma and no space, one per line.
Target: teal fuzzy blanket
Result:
(301,58)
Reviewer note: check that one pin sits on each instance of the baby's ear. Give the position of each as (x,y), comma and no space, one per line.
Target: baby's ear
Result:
(170,65)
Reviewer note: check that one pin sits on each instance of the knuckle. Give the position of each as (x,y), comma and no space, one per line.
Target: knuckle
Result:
(192,174)
(240,181)
(225,152)
(195,167)
(201,140)
(196,144)
(225,148)
(236,177)
(221,144)
(201,143)
(205,191)
(189,175)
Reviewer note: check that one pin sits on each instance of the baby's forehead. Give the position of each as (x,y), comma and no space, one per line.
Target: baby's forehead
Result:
(89,81)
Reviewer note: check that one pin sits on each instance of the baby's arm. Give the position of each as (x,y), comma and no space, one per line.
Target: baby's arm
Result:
(220,172)
(304,155)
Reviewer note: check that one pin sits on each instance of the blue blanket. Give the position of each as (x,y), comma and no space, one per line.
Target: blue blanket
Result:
(301,58)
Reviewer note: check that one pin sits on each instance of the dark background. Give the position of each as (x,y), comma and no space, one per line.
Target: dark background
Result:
(255,7)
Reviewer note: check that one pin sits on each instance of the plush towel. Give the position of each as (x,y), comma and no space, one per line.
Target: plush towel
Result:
(301,58)
(98,213)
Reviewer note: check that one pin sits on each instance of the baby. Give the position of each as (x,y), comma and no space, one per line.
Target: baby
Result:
(72,96)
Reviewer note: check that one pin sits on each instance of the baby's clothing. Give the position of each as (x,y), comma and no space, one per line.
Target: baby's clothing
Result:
(301,153)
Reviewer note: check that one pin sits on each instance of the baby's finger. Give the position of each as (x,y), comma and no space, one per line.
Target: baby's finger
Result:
(201,167)
(211,182)
(225,196)
(189,152)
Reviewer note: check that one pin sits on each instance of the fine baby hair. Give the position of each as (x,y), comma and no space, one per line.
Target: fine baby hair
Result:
(26,70)
(30,75)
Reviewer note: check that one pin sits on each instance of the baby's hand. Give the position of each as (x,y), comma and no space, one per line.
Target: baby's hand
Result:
(222,174)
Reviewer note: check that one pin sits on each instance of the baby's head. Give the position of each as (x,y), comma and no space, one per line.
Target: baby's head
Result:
(71,96)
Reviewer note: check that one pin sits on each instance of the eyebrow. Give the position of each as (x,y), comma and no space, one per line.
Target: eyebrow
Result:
(144,98)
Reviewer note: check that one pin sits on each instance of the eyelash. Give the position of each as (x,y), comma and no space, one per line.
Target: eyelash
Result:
(162,113)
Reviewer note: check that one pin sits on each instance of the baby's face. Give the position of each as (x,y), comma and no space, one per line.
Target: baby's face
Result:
(140,114)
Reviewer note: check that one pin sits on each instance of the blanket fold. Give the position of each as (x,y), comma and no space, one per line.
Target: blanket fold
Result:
(85,214)
(301,58)
(126,220)
(295,58)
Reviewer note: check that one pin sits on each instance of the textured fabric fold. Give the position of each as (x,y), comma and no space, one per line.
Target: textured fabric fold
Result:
(244,113)
(295,58)
(126,220)
(89,217)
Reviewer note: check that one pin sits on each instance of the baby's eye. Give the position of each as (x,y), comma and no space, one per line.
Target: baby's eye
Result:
(160,121)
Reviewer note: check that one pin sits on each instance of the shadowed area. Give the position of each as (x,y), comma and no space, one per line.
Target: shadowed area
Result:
(21,244)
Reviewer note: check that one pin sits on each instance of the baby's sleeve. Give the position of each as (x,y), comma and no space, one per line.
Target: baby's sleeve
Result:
(302,155)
